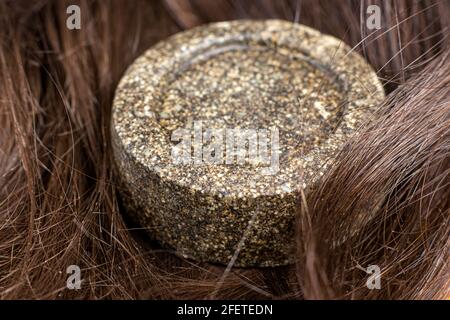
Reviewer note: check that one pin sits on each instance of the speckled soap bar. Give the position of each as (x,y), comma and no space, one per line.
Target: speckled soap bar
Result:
(307,90)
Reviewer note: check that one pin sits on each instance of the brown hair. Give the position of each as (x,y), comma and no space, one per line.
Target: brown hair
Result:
(59,202)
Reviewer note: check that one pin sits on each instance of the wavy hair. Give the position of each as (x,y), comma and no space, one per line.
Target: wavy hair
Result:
(59,201)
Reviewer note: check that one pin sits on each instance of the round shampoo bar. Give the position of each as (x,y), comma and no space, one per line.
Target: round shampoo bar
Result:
(216,129)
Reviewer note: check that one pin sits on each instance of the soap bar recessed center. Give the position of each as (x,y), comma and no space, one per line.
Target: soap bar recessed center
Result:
(248,87)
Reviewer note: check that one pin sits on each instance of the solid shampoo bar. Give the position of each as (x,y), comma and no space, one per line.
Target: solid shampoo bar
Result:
(216,129)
